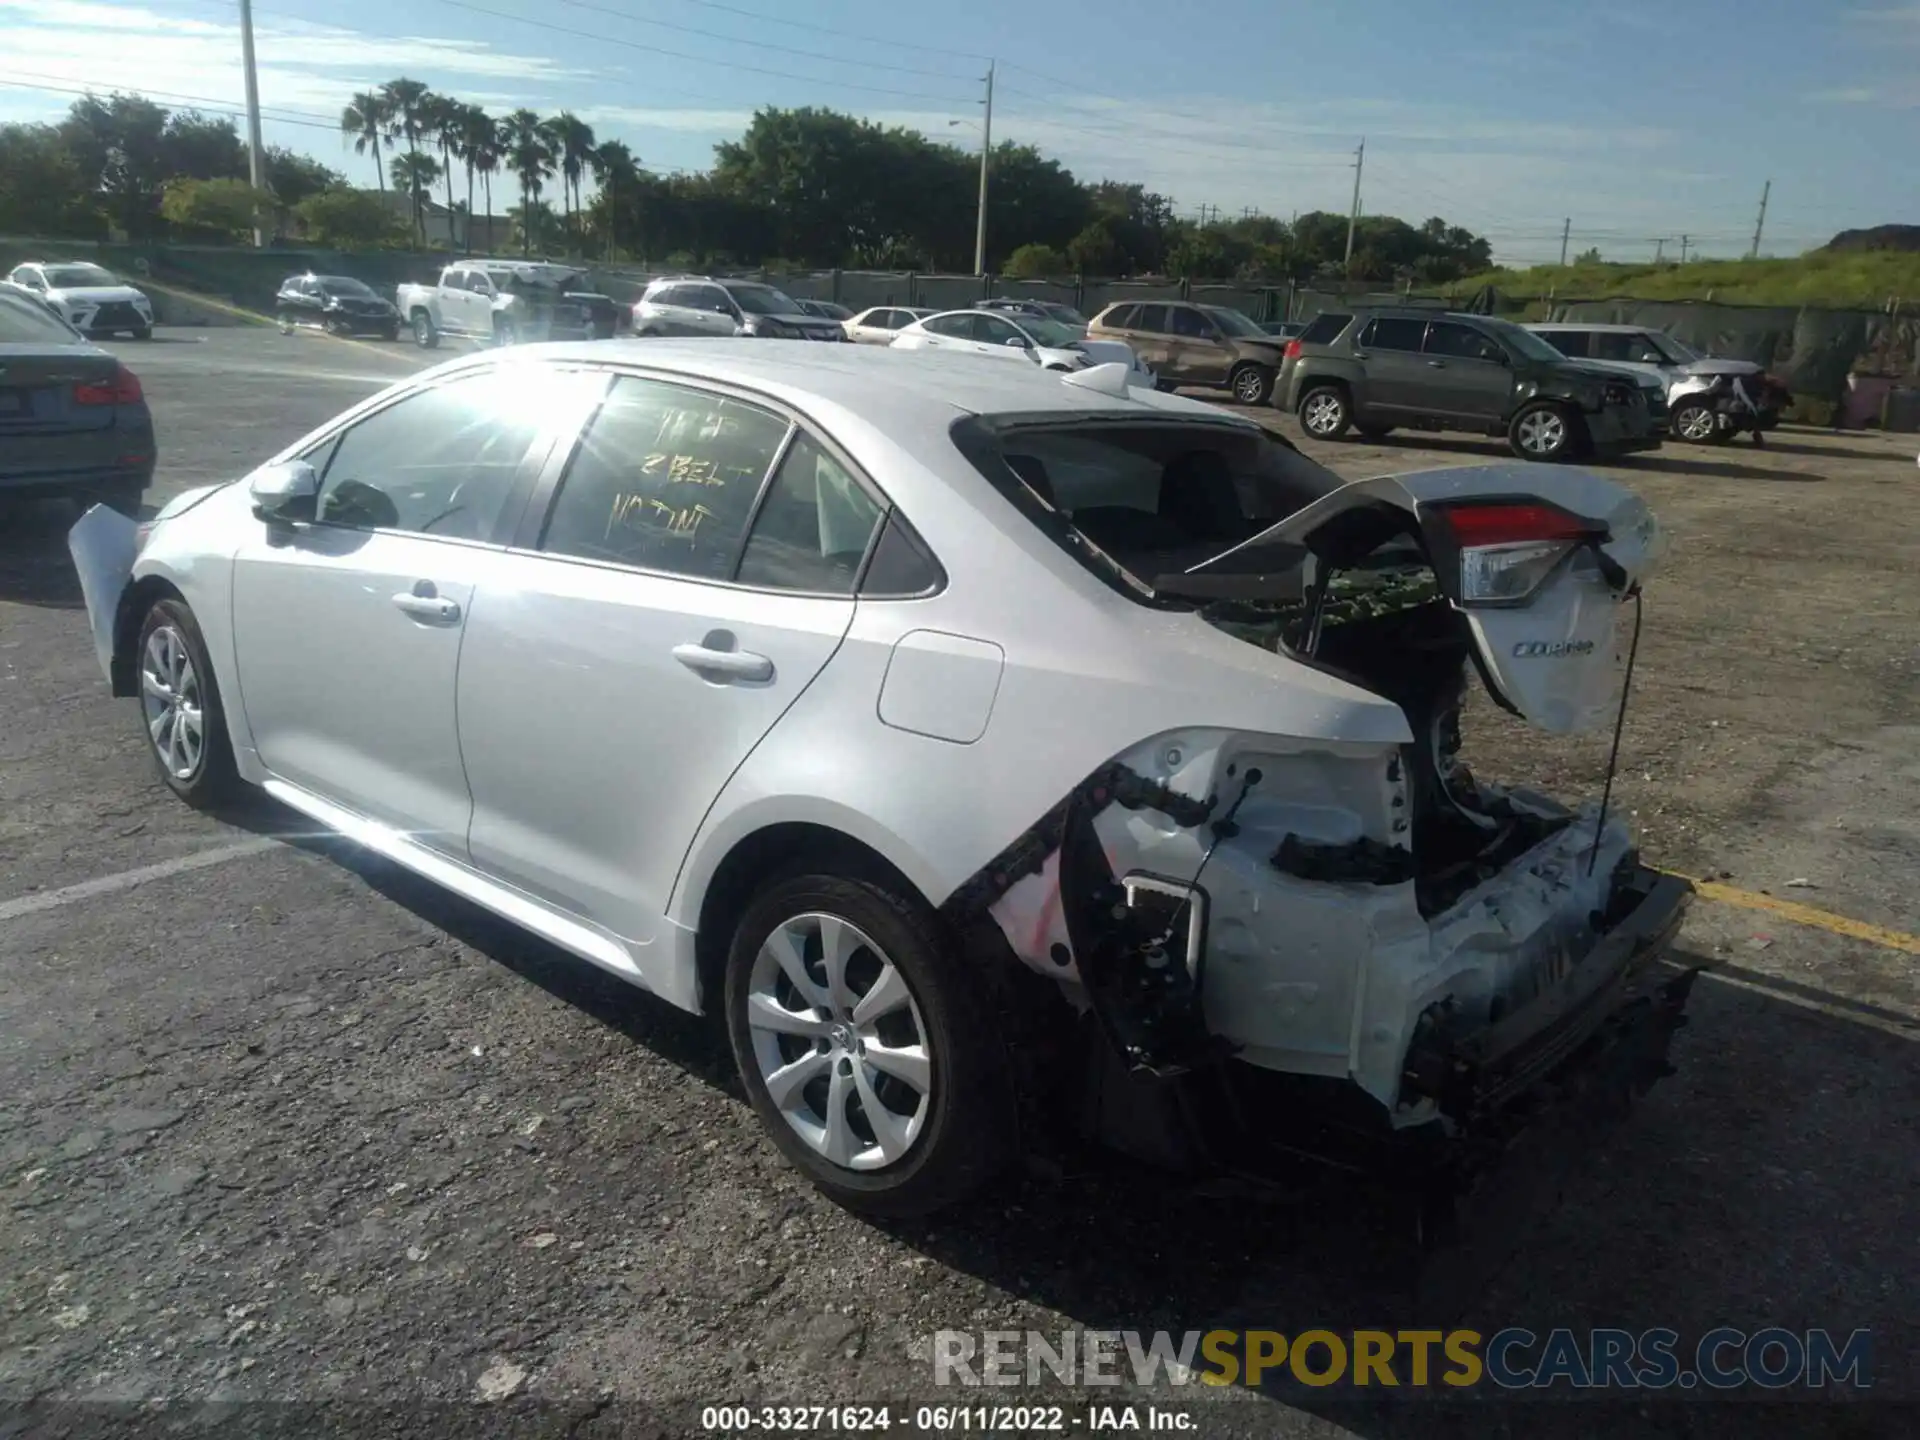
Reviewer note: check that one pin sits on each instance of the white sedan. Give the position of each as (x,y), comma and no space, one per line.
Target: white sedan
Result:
(999,751)
(881,323)
(1048,343)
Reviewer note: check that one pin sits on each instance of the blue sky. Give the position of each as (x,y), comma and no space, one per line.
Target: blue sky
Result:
(1635,119)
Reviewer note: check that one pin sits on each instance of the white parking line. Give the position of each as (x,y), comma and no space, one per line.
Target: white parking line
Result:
(127,879)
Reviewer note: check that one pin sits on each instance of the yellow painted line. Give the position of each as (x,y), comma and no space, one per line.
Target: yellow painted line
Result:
(1806,915)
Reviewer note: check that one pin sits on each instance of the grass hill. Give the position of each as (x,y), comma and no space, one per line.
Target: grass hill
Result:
(1850,278)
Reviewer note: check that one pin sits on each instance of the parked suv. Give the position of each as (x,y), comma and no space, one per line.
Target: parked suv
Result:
(1687,378)
(1442,371)
(702,305)
(1189,344)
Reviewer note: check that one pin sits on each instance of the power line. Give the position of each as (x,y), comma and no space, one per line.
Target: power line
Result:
(211,106)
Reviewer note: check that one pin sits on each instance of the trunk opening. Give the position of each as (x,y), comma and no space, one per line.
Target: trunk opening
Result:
(1380,621)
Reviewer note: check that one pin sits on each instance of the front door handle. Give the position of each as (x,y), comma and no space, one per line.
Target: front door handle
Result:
(1438,364)
(714,664)
(425,602)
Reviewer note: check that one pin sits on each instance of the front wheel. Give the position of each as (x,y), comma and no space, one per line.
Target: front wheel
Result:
(1325,412)
(1699,423)
(145,332)
(1251,384)
(1543,431)
(390,333)
(503,331)
(865,1046)
(286,322)
(425,334)
(186,729)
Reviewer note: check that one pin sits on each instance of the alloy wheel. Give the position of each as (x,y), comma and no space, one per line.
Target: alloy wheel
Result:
(1247,387)
(171,701)
(1323,414)
(839,1041)
(1543,432)
(1695,423)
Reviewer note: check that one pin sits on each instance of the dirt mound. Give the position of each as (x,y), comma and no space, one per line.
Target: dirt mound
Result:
(1879,237)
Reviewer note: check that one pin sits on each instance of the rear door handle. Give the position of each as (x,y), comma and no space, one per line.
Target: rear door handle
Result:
(424,602)
(727,664)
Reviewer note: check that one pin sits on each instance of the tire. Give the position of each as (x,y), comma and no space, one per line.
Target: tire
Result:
(204,777)
(390,334)
(1543,430)
(425,335)
(1697,423)
(503,332)
(1374,432)
(1251,384)
(1326,412)
(1060,368)
(285,318)
(962,1129)
(145,332)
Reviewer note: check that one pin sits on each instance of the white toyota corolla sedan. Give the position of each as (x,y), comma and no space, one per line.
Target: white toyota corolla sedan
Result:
(1008,755)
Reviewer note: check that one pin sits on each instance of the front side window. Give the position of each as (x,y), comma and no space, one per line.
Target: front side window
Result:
(995,331)
(442,461)
(1461,342)
(1392,333)
(1119,318)
(958,327)
(1152,318)
(759,300)
(1191,324)
(1571,343)
(813,528)
(1235,323)
(664,479)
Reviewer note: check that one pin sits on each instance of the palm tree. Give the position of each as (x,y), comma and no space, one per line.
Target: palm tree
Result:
(617,172)
(477,144)
(406,102)
(571,140)
(489,151)
(530,157)
(414,174)
(440,122)
(364,122)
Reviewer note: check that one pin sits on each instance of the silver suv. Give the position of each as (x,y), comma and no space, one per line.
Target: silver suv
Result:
(702,305)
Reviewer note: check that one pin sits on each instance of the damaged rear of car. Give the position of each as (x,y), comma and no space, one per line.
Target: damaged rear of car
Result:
(1351,950)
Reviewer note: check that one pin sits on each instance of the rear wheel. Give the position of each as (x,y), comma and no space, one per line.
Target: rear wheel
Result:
(1326,412)
(1251,384)
(1697,421)
(180,706)
(1543,431)
(865,1046)
(425,334)
(145,332)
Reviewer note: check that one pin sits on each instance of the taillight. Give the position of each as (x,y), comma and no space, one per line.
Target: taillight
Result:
(1292,352)
(123,389)
(1508,548)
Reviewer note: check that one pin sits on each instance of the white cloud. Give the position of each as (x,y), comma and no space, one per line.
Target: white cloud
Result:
(726,124)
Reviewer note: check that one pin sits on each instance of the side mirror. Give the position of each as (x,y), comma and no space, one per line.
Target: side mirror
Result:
(285,492)
(1016,342)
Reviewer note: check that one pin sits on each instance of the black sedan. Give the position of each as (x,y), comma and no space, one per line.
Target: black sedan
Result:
(338,304)
(73,419)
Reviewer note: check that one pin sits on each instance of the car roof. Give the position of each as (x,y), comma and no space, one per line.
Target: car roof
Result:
(904,395)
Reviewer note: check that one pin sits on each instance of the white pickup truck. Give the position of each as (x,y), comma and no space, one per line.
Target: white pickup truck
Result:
(504,301)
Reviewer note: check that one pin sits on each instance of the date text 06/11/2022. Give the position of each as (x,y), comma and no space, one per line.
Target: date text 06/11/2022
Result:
(945,1419)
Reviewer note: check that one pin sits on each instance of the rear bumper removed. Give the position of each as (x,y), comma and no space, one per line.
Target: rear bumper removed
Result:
(1550,1076)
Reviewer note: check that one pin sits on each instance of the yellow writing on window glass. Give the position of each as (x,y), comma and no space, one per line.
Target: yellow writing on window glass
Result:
(632,511)
(688,469)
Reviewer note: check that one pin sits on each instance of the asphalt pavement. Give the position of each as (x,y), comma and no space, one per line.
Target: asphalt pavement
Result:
(279,1123)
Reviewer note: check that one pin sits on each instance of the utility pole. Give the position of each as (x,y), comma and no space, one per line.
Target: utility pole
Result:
(1685,244)
(986,149)
(256,158)
(1353,215)
(1566,234)
(1659,250)
(1761,223)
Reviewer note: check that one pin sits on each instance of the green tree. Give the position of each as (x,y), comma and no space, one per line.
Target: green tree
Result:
(119,145)
(229,208)
(440,119)
(1035,262)
(348,220)
(1031,200)
(571,140)
(617,173)
(413,176)
(364,122)
(293,177)
(201,147)
(1097,250)
(42,189)
(1588,257)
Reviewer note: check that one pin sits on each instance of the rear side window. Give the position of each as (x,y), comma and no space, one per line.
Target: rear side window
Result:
(1120,317)
(813,527)
(958,326)
(1568,342)
(1325,328)
(1462,342)
(664,479)
(1152,318)
(1392,333)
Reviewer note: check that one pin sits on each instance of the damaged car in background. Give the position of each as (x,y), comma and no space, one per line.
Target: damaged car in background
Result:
(1052,758)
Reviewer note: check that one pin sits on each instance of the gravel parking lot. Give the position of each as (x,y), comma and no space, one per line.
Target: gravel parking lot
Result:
(278,1122)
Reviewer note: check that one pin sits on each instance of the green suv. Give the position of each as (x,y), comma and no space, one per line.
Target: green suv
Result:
(1375,370)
